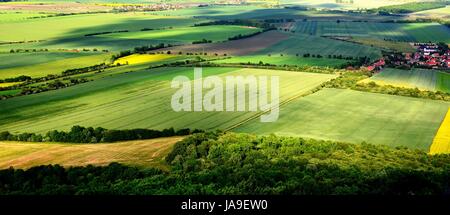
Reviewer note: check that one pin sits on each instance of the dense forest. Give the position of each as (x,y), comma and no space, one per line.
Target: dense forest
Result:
(229,163)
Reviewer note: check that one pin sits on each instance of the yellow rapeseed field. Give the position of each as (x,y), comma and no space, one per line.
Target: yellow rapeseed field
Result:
(142,58)
(441,142)
(9,84)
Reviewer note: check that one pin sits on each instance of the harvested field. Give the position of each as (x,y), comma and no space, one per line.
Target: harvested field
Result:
(142,153)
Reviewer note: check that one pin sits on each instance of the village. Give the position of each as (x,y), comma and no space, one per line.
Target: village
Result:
(427,55)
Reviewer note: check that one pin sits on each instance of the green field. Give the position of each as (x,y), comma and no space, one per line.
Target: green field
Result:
(410,32)
(421,78)
(232,12)
(69,31)
(186,35)
(32,58)
(284,60)
(265,11)
(13,16)
(42,64)
(443,82)
(384,44)
(211,12)
(413,7)
(354,4)
(134,100)
(352,116)
(442,13)
(9,92)
(141,153)
(79,25)
(302,44)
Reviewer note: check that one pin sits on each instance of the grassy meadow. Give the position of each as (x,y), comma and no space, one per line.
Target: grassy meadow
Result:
(355,117)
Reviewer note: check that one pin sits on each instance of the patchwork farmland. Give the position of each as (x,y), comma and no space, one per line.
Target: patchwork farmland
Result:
(139,97)
(375,118)
(236,47)
(408,32)
(186,35)
(42,64)
(305,44)
(364,97)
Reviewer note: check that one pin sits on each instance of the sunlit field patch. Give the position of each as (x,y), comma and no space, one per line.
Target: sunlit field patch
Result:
(441,142)
(142,58)
(422,79)
(9,84)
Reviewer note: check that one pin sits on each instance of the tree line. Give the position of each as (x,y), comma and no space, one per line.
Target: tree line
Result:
(79,134)
(16,79)
(140,50)
(202,41)
(105,32)
(218,163)
(243,36)
(51,81)
(285,67)
(242,22)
